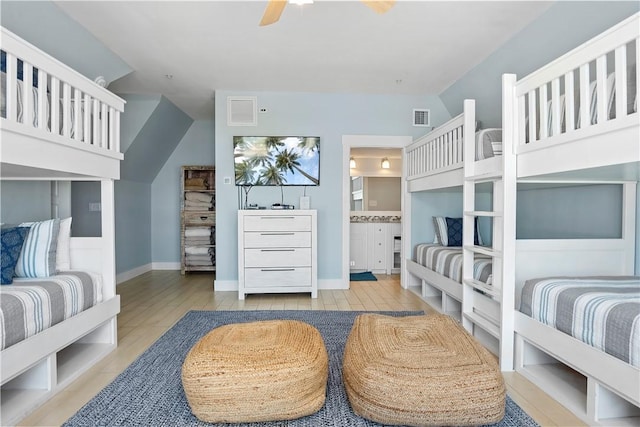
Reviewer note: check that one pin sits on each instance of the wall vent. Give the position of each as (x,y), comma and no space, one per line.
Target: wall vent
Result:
(421,117)
(242,111)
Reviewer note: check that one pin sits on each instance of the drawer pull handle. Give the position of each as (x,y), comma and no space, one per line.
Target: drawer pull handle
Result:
(277,250)
(277,234)
(277,269)
(203,218)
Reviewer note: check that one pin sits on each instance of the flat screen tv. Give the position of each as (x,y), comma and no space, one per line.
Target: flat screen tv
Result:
(277,160)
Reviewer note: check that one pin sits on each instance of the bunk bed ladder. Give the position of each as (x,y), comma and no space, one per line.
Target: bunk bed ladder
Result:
(482,304)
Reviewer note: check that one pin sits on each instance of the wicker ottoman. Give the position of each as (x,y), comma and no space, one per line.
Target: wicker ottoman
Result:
(421,371)
(257,371)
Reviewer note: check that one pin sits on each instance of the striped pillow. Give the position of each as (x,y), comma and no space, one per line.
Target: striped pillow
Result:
(38,256)
(440,225)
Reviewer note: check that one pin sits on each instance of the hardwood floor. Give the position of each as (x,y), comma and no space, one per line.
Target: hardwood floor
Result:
(153,302)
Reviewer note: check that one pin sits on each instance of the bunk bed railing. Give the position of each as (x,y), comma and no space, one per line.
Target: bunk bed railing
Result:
(83,113)
(588,91)
(438,151)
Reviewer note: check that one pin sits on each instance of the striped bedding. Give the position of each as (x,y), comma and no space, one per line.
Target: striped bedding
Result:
(29,306)
(447,261)
(19,103)
(603,312)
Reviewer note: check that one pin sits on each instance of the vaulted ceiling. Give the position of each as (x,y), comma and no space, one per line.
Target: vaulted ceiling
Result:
(188,50)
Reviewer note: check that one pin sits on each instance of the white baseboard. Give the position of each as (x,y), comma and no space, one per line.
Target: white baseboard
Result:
(165,266)
(128,275)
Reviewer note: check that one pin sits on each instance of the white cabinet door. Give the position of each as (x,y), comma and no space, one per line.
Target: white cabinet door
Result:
(378,247)
(358,246)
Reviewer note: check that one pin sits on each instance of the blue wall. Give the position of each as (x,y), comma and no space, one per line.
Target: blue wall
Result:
(196,148)
(569,212)
(22,201)
(138,110)
(566,25)
(133,224)
(44,25)
(154,143)
(329,116)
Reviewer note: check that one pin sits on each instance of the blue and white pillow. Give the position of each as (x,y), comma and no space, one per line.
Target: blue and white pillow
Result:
(38,255)
(448,231)
(12,240)
(440,225)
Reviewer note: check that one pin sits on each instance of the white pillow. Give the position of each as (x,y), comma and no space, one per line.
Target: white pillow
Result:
(38,255)
(63,253)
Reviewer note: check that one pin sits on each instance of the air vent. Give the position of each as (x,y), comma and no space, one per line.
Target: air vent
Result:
(241,111)
(421,117)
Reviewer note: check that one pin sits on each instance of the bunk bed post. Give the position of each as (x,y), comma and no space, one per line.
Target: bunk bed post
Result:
(468,205)
(507,221)
(629,225)
(108,237)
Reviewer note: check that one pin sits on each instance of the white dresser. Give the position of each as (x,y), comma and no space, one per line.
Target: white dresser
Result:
(277,252)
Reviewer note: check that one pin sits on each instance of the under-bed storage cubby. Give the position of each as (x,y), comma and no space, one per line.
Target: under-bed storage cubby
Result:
(84,352)
(582,394)
(440,300)
(26,391)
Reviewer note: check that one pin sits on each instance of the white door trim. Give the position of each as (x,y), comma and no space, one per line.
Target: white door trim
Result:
(348,142)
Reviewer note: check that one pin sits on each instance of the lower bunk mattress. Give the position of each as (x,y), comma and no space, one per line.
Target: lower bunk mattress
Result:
(447,261)
(29,306)
(603,312)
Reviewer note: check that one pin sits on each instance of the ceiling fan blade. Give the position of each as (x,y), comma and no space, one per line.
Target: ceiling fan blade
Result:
(379,6)
(272,12)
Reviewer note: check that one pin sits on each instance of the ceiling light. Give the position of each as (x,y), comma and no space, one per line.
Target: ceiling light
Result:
(352,163)
(385,163)
(301,2)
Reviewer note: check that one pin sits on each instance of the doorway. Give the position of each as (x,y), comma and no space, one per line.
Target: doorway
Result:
(361,142)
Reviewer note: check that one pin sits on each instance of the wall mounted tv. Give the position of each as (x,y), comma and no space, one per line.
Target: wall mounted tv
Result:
(277,160)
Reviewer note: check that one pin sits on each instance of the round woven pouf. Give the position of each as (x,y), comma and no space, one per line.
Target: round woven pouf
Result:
(421,371)
(258,371)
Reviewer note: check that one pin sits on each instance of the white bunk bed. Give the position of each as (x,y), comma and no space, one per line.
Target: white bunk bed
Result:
(545,142)
(448,157)
(83,144)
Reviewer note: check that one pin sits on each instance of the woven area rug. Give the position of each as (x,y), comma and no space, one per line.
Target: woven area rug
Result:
(149,392)
(365,276)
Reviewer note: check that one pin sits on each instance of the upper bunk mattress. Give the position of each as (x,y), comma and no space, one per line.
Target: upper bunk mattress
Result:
(29,306)
(603,312)
(447,261)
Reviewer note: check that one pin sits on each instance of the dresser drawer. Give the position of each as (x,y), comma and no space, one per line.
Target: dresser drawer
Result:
(199,218)
(277,257)
(277,223)
(277,239)
(277,277)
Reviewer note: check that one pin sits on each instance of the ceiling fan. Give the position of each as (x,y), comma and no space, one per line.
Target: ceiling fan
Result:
(275,7)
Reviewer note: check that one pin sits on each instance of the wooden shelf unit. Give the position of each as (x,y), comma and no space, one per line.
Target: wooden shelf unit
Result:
(197,219)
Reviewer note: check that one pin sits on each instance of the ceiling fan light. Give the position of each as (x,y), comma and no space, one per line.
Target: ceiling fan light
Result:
(385,163)
(352,163)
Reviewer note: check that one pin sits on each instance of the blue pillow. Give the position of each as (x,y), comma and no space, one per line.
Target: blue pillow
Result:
(454,232)
(12,240)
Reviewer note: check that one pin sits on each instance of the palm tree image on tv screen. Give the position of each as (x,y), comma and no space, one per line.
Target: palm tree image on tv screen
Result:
(276,160)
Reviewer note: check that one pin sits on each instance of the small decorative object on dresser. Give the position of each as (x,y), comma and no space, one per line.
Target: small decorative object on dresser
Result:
(277,252)
(198,219)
